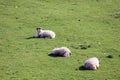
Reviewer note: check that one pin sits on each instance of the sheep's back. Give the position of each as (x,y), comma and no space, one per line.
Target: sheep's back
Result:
(91,62)
(48,33)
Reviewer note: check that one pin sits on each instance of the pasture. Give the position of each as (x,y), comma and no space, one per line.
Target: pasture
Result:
(77,24)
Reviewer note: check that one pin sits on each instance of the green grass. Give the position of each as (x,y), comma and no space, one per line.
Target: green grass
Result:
(75,22)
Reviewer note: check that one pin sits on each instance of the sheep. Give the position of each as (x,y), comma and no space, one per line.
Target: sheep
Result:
(45,33)
(92,63)
(63,51)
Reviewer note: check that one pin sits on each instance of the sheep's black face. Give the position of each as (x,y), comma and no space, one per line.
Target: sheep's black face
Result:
(38,32)
(38,29)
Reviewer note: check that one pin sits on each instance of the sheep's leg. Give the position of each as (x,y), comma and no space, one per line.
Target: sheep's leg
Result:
(39,36)
(47,37)
(50,37)
(97,67)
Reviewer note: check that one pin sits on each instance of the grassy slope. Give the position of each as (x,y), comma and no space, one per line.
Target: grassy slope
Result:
(75,22)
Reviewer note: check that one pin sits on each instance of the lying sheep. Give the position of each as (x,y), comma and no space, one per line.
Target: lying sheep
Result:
(91,63)
(63,51)
(45,33)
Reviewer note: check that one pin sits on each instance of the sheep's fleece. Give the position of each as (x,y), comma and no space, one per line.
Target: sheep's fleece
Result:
(45,33)
(92,63)
(63,51)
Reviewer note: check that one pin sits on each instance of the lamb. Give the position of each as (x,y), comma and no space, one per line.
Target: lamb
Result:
(45,33)
(92,63)
(63,51)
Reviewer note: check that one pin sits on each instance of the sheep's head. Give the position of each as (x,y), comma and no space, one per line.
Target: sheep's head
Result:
(38,29)
(93,67)
(67,54)
(38,32)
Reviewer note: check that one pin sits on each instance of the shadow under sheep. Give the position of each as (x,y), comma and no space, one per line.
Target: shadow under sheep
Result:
(52,55)
(35,37)
(32,37)
(82,68)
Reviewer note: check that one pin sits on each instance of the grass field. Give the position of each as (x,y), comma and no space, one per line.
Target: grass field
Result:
(75,22)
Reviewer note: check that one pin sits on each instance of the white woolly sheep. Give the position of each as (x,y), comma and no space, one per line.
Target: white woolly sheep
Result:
(91,63)
(63,51)
(45,33)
